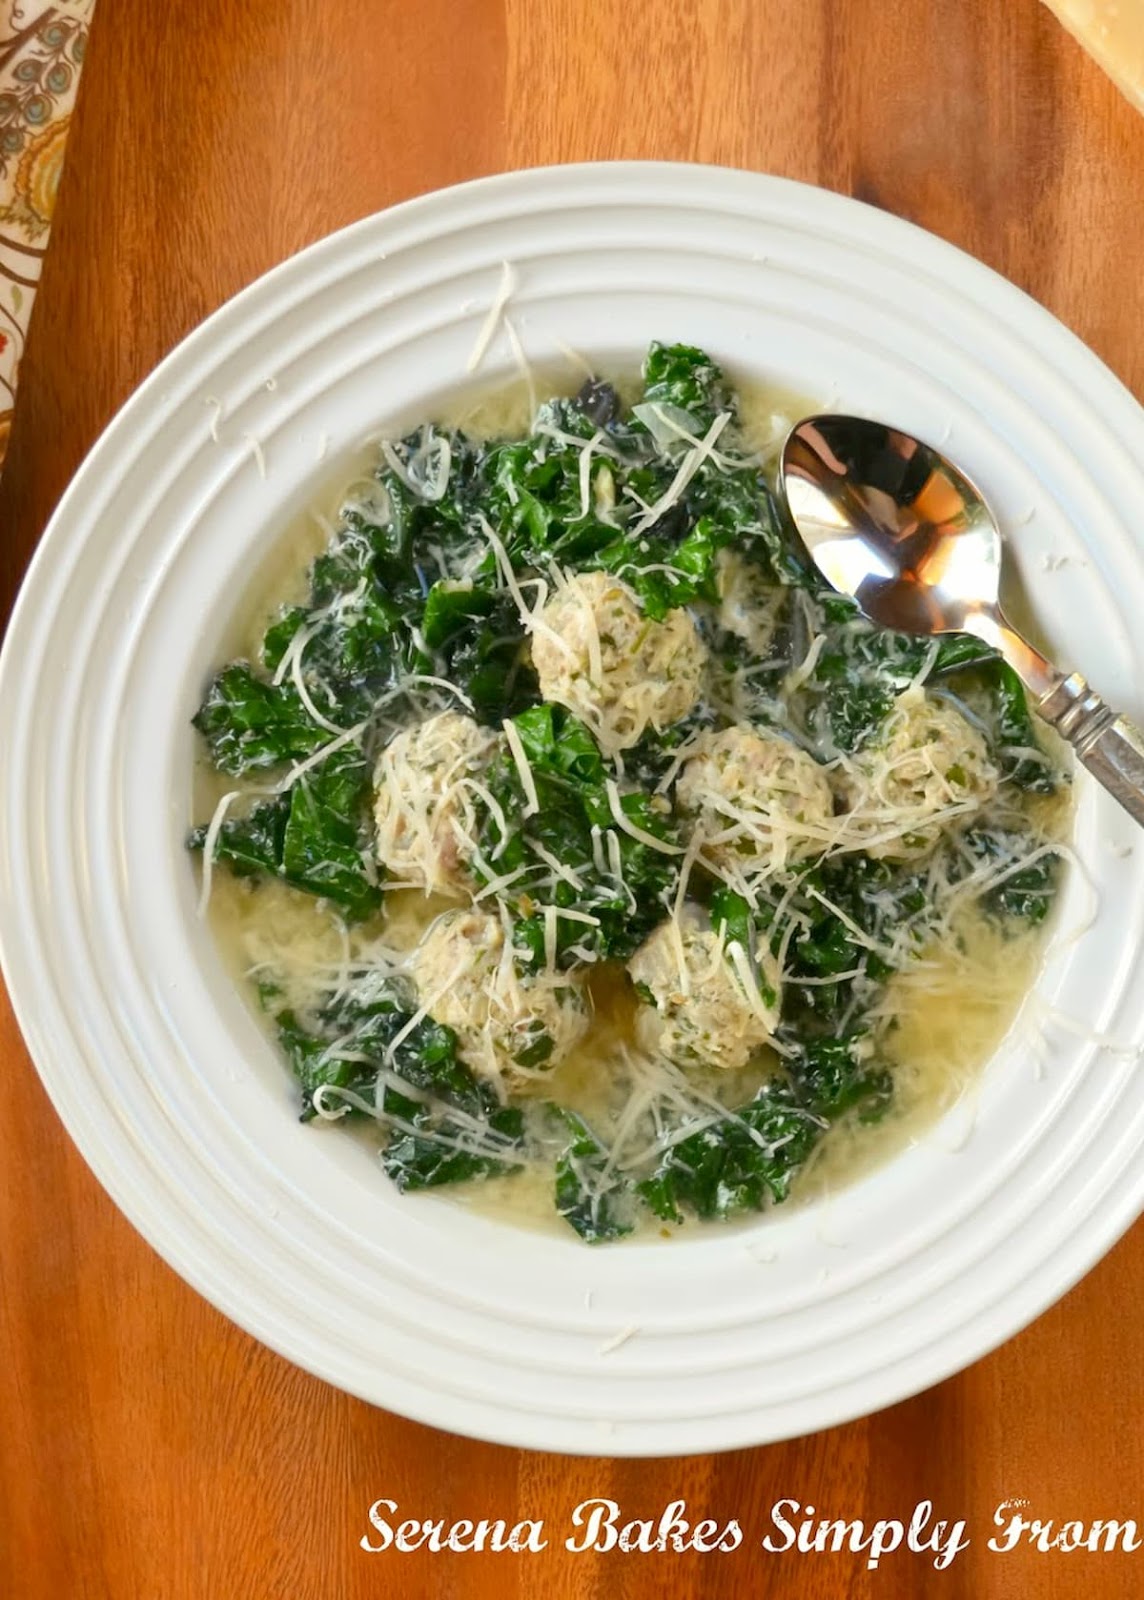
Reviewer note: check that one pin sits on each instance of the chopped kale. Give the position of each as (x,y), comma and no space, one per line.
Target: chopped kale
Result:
(411,611)
(739,1164)
(250,724)
(461,1132)
(589,1198)
(680,375)
(1021,758)
(315,836)
(1024,892)
(832,1076)
(665,575)
(252,844)
(434,1153)
(571,824)
(732,912)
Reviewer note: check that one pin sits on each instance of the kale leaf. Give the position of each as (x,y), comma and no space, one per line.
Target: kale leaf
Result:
(665,575)
(480,645)
(572,824)
(1015,740)
(592,1201)
(833,1076)
(740,1164)
(252,844)
(427,1156)
(250,724)
(462,1133)
(315,836)
(683,376)
(1023,892)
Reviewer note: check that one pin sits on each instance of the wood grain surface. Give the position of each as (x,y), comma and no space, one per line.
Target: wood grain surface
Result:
(147,1447)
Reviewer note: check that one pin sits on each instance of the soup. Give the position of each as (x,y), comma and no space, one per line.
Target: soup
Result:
(576,842)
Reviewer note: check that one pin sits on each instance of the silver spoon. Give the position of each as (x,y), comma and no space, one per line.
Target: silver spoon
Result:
(890,522)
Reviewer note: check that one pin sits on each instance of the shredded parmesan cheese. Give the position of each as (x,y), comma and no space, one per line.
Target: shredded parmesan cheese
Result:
(257,452)
(619,1339)
(210,844)
(488,327)
(527,781)
(218,412)
(688,467)
(624,822)
(522,363)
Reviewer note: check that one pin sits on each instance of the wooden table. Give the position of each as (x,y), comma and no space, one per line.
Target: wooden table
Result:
(147,1447)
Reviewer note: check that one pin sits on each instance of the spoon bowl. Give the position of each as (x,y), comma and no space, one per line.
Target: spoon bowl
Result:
(891,522)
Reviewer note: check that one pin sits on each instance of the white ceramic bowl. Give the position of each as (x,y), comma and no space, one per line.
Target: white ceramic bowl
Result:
(181,1106)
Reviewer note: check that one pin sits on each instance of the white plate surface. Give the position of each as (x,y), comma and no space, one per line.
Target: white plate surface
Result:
(181,1107)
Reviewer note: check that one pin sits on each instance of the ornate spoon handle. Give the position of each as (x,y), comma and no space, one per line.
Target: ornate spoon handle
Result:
(1111,747)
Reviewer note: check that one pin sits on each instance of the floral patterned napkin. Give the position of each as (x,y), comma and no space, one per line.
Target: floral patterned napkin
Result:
(41,53)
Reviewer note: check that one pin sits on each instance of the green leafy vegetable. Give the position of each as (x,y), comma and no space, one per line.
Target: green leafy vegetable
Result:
(1021,758)
(1020,888)
(251,724)
(665,575)
(428,1155)
(572,822)
(361,1047)
(832,1076)
(424,601)
(682,376)
(315,836)
(735,1165)
(587,1197)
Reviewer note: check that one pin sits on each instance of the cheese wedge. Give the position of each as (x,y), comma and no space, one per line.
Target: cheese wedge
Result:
(1112,31)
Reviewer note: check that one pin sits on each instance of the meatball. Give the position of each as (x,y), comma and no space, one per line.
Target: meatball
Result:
(696,1007)
(505,1021)
(759,801)
(423,811)
(621,672)
(926,762)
